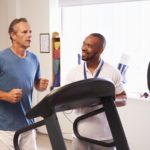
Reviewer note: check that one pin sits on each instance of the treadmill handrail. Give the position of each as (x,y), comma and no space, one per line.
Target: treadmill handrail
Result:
(86,139)
(73,95)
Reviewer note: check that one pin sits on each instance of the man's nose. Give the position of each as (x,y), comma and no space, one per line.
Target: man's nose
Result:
(29,34)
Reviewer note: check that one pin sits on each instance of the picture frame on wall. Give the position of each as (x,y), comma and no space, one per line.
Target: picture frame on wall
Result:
(44,43)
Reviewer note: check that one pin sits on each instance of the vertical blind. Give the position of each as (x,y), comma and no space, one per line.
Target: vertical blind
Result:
(126,28)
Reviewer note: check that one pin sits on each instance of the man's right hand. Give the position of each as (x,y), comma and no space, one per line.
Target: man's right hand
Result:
(14,95)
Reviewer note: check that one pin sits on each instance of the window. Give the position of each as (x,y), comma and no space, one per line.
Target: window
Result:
(126,27)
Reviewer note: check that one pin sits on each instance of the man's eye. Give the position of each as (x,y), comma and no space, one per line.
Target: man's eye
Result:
(24,32)
(90,46)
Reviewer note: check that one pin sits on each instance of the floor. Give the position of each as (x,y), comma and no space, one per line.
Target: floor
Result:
(43,142)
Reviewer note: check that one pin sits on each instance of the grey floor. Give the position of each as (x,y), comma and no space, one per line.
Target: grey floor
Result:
(43,142)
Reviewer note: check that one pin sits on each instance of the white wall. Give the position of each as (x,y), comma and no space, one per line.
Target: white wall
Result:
(4,24)
(136,123)
(135,120)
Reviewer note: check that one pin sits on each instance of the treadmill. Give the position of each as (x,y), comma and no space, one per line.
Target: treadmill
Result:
(75,95)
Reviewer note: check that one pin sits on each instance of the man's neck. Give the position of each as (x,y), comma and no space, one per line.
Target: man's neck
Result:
(92,65)
(20,52)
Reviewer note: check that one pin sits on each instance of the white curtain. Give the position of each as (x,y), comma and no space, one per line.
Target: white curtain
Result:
(126,28)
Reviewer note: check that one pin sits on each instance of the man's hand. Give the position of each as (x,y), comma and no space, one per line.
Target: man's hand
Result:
(42,84)
(121,99)
(14,95)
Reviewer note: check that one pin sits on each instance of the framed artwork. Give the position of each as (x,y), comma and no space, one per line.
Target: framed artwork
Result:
(55,60)
(44,42)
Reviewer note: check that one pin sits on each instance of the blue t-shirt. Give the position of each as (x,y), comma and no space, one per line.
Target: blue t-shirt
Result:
(22,73)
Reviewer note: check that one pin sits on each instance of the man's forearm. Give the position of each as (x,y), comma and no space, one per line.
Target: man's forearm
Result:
(3,95)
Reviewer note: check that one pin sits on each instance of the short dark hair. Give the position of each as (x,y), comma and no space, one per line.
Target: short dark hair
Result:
(101,38)
(13,23)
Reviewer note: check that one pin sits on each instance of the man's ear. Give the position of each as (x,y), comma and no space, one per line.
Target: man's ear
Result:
(13,35)
(101,50)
